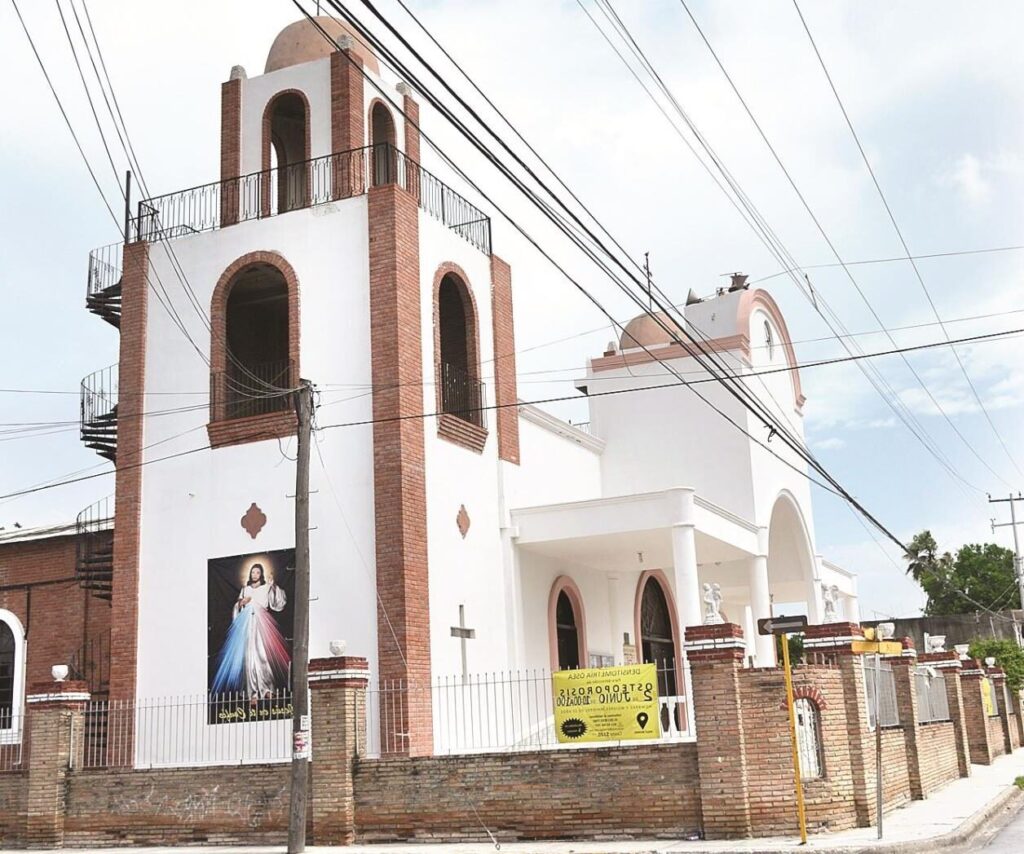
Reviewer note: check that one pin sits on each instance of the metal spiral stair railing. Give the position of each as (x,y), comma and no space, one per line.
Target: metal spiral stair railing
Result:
(94,548)
(98,406)
(103,290)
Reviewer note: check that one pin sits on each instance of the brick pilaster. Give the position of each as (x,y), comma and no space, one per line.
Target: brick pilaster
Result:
(903,671)
(124,606)
(832,641)
(338,694)
(506,392)
(975,717)
(998,677)
(949,664)
(403,634)
(230,148)
(715,655)
(348,123)
(55,731)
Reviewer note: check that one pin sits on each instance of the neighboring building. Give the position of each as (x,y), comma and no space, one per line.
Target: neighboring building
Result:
(475,540)
(958,628)
(46,618)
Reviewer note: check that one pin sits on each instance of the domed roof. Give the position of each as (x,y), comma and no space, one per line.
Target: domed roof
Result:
(645,331)
(303,42)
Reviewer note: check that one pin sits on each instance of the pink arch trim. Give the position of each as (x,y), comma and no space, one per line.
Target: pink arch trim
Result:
(658,576)
(759,298)
(566,584)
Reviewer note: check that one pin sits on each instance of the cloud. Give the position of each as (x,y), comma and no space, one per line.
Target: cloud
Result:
(966,176)
(832,443)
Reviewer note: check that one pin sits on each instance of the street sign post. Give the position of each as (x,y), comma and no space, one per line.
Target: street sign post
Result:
(782,626)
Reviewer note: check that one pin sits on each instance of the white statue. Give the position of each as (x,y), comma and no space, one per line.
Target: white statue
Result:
(713,604)
(935,643)
(830,599)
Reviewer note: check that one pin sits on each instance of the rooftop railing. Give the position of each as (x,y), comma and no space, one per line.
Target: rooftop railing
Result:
(296,186)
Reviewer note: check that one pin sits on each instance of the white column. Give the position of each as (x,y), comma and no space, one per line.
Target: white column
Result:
(815,612)
(687,584)
(614,625)
(852,609)
(761,606)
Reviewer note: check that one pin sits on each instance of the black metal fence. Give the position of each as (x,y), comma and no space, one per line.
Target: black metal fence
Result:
(98,394)
(888,711)
(932,701)
(105,265)
(461,394)
(245,390)
(294,186)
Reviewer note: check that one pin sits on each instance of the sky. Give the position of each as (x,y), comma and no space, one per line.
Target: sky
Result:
(932,88)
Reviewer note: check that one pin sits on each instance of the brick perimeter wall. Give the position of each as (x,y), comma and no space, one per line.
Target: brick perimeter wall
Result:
(996,738)
(936,745)
(895,776)
(241,805)
(588,793)
(13,789)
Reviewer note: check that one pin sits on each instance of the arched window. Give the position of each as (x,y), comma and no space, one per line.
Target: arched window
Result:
(382,138)
(657,639)
(285,159)
(257,344)
(567,626)
(769,340)
(457,366)
(808,739)
(12,677)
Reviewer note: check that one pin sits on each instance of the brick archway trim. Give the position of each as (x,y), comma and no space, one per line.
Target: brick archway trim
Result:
(448,426)
(224,432)
(658,577)
(808,692)
(564,584)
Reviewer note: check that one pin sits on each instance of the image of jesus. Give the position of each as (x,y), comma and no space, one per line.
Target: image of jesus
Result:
(254,657)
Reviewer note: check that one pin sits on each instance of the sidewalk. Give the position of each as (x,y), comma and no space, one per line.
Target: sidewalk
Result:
(956,811)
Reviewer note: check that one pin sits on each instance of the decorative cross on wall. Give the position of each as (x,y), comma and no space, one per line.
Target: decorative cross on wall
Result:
(463,634)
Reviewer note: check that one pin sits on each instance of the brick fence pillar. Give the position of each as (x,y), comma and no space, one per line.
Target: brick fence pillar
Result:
(975,715)
(55,736)
(1018,709)
(904,669)
(998,677)
(949,664)
(338,693)
(715,655)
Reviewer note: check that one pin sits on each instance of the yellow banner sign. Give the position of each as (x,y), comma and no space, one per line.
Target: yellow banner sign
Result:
(881,647)
(606,703)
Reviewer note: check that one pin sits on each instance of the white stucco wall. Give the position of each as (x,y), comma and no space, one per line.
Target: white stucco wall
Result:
(192,505)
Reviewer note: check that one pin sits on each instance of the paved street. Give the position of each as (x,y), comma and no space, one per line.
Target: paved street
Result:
(1010,840)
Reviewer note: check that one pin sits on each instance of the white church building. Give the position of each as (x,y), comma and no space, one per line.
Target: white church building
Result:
(455,528)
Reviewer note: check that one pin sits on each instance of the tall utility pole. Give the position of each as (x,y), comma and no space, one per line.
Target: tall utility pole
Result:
(300,643)
(1018,559)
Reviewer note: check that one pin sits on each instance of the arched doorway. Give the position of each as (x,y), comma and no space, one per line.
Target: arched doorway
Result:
(791,559)
(7,653)
(567,626)
(658,641)
(12,677)
(459,388)
(286,154)
(382,138)
(257,340)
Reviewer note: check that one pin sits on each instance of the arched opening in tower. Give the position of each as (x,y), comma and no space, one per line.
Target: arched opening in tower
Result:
(382,138)
(288,132)
(460,390)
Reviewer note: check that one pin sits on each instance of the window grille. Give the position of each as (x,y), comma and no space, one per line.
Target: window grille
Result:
(808,739)
(889,713)
(932,702)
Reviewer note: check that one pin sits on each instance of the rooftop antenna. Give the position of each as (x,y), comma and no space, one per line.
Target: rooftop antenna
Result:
(647,273)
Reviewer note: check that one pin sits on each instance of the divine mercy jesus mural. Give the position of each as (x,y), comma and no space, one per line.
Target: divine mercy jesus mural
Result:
(249,647)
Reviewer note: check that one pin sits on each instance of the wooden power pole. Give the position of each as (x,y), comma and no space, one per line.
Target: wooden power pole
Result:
(300,643)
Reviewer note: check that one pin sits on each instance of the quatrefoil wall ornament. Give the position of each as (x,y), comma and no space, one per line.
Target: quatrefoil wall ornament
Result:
(253,520)
(462,520)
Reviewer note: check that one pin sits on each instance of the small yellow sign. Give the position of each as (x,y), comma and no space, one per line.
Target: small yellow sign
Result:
(606,703)
(881,647)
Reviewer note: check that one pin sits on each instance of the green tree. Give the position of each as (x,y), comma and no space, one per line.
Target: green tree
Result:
(979,572)
(1007,654)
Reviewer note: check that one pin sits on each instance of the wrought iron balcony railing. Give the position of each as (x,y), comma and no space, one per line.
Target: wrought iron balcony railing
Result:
(94,548)
(461,394)
(245,390)
(341,175)
(103,289)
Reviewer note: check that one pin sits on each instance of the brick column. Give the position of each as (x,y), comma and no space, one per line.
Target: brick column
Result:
(904,668)
(230,147)
(998,677)
(715,654)
(832,641)
(1018,707)
(949,664)
(974,713)
(348,123)
(55,734)
(505,391)
(338,693)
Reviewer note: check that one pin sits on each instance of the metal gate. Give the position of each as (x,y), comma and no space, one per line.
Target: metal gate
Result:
(808,739)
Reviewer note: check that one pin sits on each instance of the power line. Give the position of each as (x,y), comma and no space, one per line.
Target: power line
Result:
(903,242)
(828,240)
